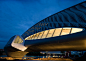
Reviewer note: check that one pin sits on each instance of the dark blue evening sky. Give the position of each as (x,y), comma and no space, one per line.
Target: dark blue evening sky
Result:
(16,16)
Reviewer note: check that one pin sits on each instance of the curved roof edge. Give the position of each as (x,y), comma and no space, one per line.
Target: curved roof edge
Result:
(70,17)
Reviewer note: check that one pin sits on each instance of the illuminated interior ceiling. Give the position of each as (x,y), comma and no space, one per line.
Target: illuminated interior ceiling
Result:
(53,33)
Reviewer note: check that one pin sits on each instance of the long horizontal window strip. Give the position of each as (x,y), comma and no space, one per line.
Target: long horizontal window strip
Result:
(53,33)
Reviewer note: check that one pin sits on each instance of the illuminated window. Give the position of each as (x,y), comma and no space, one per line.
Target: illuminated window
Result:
(74,30)
(28,38)
(36,36)
(53,33)
(18,40)
(65,31)
(40,35)
(45,34)
(33,36)
(57,32)
(50,33)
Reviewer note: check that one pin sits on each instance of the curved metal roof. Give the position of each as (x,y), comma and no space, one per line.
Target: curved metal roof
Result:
(74,16)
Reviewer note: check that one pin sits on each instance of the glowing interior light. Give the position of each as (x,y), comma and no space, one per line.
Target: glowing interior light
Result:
(65,31)
(18,43)
(50,33)
(54,32)
(74,30)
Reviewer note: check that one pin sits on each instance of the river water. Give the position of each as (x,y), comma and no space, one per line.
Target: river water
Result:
(36,57)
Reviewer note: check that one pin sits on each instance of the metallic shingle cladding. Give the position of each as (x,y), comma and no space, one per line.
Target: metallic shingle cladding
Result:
(74,16)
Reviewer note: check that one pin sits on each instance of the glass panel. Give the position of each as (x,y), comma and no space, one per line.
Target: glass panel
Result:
(75,30)
(33,36)
(50,33)
(40,34)
(45,33)
(36,36)
(27,38)
(65,31)
(18,40)
(57,32)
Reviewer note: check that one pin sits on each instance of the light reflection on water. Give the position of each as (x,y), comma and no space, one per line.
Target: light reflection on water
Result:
(37,57)
(30,56)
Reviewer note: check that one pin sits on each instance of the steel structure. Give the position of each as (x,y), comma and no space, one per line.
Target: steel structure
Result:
(62,31)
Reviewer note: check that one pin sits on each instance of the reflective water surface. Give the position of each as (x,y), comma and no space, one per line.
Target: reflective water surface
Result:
(41,58)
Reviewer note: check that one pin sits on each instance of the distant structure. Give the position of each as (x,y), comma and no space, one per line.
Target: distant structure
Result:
(62,31)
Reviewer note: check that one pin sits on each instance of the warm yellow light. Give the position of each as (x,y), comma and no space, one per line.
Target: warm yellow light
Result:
(54,32)
(65,31)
